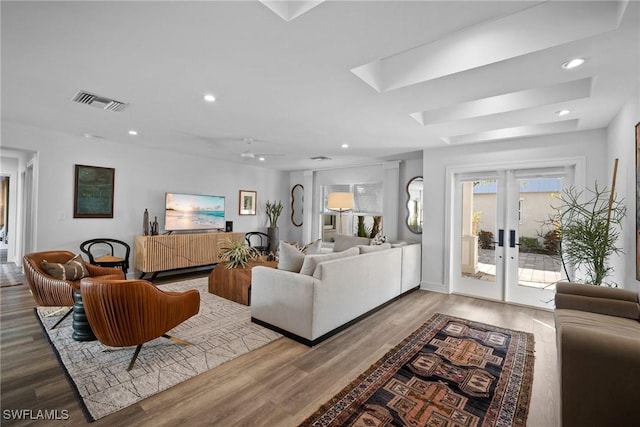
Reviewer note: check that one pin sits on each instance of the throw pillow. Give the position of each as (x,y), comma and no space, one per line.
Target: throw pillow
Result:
(313,247)
(367,249)
(311,261)
(344,242)
(74,269)
(290,257)
(378,239)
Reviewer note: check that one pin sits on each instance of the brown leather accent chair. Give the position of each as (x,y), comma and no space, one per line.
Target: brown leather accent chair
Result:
(51,292)
(125,313)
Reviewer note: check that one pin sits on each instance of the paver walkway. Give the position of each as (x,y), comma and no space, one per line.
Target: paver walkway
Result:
(536,270)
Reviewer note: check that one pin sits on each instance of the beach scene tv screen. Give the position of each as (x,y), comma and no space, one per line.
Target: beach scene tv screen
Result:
(193,212)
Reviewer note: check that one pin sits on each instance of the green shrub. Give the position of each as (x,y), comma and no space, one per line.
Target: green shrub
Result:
(552,242)
(485,239)
(530,244)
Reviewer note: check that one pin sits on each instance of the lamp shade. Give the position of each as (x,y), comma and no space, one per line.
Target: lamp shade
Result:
(340,201)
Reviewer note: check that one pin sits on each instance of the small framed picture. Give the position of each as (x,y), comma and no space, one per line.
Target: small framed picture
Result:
(93,192)
(247,202)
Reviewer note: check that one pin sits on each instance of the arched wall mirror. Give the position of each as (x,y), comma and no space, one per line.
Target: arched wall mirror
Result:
(414,204)
(297,202)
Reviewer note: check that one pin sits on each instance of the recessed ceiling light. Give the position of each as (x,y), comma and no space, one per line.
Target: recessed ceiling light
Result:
(562,113)
(209,98)
(573,63)
(345,145)
(133,132)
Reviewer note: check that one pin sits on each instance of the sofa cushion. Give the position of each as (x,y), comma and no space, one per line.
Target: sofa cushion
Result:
(74,269)
(596,322)
(344,242)
(597,299)
(290,257)
(311,261)
(366,249)
(398,243)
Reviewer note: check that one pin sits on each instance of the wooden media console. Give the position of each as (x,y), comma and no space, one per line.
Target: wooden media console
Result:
(153,254)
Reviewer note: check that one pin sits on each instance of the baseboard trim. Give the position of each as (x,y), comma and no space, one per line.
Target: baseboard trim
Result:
(311,343)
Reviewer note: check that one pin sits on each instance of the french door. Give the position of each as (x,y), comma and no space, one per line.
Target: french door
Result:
(505,239)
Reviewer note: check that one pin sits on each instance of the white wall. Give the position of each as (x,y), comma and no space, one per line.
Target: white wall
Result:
(621,145)
(435,250)
(142,176)
(395,195)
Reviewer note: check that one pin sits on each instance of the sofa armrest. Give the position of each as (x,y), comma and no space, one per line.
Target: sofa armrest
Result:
(597,299)
(599,372)
(283,299)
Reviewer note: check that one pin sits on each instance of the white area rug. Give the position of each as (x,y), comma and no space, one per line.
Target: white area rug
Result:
(221,331)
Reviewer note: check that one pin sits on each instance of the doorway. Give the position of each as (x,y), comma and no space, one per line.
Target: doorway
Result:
(505,240)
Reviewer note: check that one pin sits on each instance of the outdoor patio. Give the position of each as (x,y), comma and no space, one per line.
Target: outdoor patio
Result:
(535,270)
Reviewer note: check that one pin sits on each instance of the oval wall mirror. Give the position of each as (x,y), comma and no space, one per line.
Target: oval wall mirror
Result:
(414,204)
(297,202)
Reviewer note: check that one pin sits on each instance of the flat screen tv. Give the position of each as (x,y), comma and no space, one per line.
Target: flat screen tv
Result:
(185,212)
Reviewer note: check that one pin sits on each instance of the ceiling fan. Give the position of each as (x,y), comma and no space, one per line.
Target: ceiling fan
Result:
(249,154)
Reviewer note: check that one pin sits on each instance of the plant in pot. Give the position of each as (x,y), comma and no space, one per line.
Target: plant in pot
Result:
(273,213)
(236,253)
(589,228)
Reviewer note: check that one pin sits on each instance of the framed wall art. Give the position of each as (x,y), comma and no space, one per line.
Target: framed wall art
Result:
(247,202)
(93,192)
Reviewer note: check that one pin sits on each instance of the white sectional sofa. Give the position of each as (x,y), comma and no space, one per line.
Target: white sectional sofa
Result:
(311,308)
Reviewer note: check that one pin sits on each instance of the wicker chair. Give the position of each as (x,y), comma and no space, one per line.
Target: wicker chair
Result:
(258,240)
(51,292)
(125,313)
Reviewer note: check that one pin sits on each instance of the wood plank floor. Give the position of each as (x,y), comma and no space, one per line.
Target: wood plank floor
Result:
(277,385)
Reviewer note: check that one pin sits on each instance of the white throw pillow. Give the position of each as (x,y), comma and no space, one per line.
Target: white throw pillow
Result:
(311,261)
(313,247)
(344,242)
(290,257)
(366,249)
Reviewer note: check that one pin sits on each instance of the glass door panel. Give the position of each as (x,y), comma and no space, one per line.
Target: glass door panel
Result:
(478,269)
(535,262)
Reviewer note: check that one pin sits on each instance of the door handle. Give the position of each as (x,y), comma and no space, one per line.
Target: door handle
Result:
(500,241)
(512,239)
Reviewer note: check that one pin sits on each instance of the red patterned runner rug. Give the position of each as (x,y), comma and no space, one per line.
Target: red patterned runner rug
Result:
(451,372)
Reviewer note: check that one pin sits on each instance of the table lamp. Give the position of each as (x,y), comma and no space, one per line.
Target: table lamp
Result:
(340,202)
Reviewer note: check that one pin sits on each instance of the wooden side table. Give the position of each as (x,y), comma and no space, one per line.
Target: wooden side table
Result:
(235,283)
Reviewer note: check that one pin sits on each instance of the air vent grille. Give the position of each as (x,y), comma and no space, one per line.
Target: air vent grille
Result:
(98,101)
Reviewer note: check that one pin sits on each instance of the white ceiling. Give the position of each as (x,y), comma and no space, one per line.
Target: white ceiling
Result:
(387,78)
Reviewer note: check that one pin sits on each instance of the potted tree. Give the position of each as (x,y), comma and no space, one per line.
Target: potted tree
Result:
(589,231)
(273,213)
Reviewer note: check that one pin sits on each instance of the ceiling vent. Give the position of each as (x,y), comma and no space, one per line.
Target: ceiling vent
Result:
(98,101)
(320,158)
